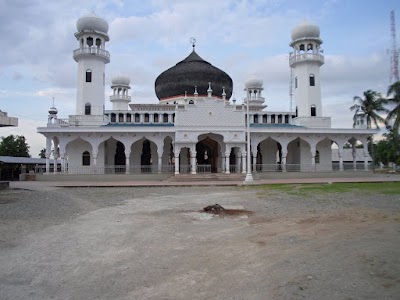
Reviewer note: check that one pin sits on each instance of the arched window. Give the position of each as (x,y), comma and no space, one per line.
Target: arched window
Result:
(191,102)
(137,118)
(309,47)
(88,75)
(295,82)
(255,118)
(312,80)
(165,118)
(128,118)
(113,118)
(98,42)
(155,118)
(313,111)
(317,157)
(86,158)
(146,118)
(88,109)
(302,48)
(121,118)
(297,111)
(264,119)
(89,41)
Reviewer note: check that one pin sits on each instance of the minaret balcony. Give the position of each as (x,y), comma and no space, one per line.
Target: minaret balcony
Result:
(120,97)
(86,51)
(296,58)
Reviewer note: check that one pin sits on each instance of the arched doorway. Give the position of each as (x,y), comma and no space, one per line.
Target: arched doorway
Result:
(207,153)
(119,158)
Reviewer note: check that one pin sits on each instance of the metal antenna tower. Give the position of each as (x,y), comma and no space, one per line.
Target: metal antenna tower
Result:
(394,51)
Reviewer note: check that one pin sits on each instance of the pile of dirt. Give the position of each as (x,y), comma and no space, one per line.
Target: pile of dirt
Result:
(217,209)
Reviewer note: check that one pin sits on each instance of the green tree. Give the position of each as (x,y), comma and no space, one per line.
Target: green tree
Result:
(388,149)
(14,146)
(394,114)
(371,105)
(42,153)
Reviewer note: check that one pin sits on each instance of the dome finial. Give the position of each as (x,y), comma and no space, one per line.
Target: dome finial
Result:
(193,42)
(209,91)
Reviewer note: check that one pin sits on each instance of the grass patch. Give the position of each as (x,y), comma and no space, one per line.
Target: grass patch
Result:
(387,188)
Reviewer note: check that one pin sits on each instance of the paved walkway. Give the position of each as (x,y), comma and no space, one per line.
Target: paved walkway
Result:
(327,178)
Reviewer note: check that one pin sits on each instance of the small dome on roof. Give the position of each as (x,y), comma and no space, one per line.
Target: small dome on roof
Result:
(253,82)
(120,80)
(53,110)
(92,22)
(305,30)
(360,113)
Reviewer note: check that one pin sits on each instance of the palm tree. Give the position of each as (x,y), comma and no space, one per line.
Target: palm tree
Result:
(371,105)
(394,114)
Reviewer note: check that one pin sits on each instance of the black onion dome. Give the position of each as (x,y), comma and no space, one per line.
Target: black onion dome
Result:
(190,72)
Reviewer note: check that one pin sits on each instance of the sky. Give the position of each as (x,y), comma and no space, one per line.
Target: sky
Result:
(241,37)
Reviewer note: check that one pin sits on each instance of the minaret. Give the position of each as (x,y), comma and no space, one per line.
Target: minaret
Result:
(306,60)
(253,88)
(91,57)
(120,97)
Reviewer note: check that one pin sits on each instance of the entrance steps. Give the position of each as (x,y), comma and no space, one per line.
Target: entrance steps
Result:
(207,177)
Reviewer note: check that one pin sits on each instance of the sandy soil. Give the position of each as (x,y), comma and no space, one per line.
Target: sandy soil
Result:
(153,243)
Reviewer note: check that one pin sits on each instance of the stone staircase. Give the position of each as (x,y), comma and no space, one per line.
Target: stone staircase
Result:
(207,177)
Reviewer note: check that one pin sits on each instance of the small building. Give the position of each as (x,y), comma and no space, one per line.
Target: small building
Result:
(12,167)
(5,120)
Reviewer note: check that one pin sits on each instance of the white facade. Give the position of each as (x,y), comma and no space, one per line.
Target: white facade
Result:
(192,133)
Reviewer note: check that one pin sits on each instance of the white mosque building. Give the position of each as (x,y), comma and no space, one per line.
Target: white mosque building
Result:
(196,126)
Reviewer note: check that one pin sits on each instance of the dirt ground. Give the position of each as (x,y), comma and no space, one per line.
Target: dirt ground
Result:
(154,243)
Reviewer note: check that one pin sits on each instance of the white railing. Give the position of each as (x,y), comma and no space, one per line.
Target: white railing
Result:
(312,122)
(203,168)
(305,56)
(58,123)
(169,169)
(310,167)
(93,51)
(120,97)
(88,120)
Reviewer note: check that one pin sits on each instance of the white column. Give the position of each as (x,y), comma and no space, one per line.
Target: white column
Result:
(244,160)
(366,154)
(227,166)
(193,161)
(313,153)
(55,155)
(127,162)
(255,162)
(176,155)
(94,161)
(62,163)
(159,163)
(48,153)
(340,152)
(284,155)
(47,164)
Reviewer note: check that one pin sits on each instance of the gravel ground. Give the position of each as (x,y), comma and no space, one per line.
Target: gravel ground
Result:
(153,243)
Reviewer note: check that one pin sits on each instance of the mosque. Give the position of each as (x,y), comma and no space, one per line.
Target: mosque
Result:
(197,126)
